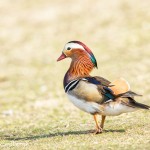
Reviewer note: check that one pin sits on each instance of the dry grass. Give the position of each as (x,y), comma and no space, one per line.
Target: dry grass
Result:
(34,112)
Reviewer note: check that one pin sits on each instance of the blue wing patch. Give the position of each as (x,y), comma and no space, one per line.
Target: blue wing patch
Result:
(109,93)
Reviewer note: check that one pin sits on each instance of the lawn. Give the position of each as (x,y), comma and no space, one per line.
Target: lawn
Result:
(35,113)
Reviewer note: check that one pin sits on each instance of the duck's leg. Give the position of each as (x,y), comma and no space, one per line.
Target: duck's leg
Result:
(102,121)
(98,128)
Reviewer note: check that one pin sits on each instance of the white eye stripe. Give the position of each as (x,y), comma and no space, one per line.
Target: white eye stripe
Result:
(73,45)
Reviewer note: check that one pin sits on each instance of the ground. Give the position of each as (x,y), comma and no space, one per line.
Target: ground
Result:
(34,110)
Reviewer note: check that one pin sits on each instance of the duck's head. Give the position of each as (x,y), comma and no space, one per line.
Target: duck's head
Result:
(75,49)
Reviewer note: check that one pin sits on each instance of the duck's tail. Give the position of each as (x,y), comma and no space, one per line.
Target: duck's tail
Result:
(140,105)
(131,102)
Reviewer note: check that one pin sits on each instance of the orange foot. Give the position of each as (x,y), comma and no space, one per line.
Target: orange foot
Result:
(98,130)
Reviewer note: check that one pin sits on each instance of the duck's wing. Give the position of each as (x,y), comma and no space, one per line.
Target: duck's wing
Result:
(99,90)
(92,89)
(102,80)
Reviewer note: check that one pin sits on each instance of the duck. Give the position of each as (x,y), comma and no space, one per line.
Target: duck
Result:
(94,94)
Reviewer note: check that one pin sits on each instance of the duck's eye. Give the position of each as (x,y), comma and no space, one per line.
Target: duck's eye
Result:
(68,48)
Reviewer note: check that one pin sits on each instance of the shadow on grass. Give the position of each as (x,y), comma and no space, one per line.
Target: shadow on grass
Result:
(50,135)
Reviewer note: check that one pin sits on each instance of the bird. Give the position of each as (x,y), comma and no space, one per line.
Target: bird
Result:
(94,94)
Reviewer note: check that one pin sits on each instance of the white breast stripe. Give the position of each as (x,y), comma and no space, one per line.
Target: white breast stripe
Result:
(84,79)
(69,84)
(72,85)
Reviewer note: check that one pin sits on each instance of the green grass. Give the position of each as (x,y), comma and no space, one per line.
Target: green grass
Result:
(34,110)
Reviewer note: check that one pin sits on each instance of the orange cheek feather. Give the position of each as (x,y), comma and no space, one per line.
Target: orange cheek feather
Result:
(68,53)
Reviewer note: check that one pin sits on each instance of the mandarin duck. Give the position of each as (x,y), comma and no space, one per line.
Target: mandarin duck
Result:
(93,94)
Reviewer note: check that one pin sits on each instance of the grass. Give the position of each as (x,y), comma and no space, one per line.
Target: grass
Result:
(34,111)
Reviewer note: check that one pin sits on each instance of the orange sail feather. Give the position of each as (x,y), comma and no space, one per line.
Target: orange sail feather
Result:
(120,86)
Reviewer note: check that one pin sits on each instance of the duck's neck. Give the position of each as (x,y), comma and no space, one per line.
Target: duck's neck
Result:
(80,67)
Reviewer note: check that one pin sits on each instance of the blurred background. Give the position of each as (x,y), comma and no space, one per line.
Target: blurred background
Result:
(32,36)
